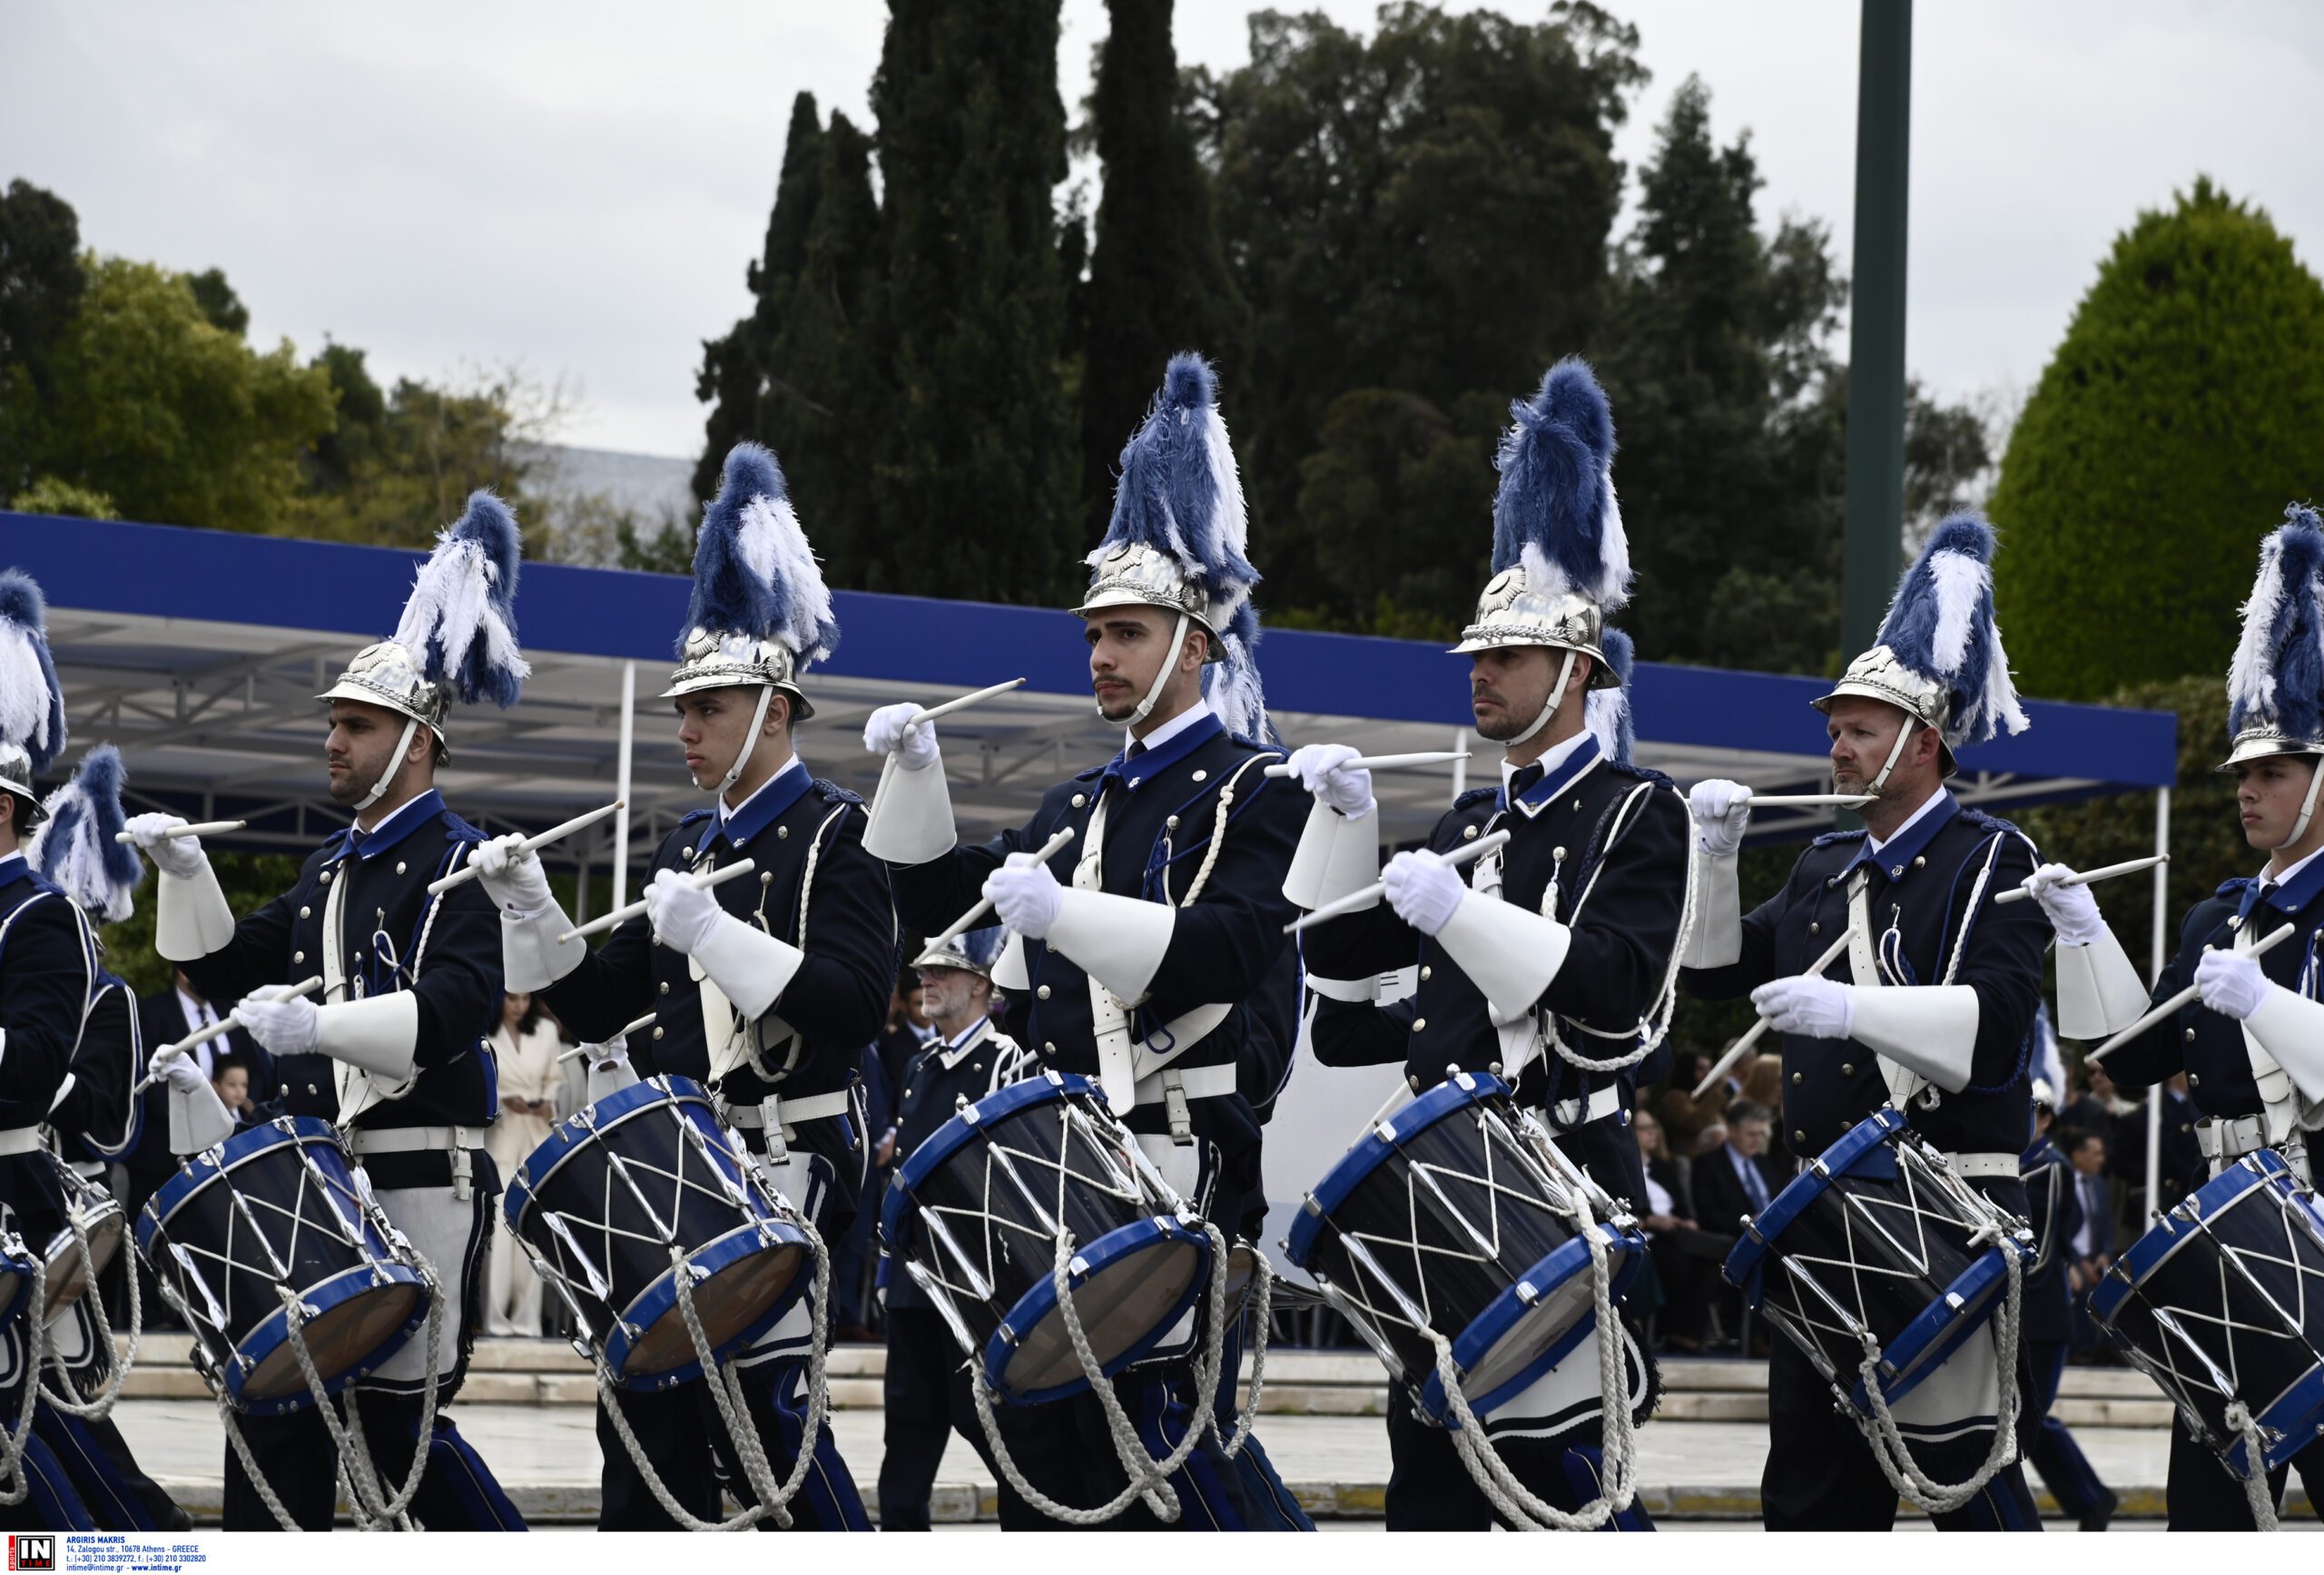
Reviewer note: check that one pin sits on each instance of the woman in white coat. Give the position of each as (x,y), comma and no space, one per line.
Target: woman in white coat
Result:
(526,1044)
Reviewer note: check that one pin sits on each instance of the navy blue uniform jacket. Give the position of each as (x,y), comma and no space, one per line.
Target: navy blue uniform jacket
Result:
(45,972)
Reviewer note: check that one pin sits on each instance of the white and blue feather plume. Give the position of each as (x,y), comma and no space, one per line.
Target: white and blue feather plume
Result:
(74,847)
(982,947)
(32,701)
(1555,511)
(1607,712)
(460,619)
(1941,626)
(2277,679)
(754,572)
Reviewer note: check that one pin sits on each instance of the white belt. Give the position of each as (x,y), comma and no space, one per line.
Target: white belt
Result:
(1197,1082)
(414,1140)
(1373,989)
(1568,1113)
(790,1112)
(1983,1166)
(2232,1137)
(21,1140)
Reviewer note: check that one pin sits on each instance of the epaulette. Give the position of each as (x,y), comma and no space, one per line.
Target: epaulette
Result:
(1989,823)
(691,817)
(1637,772)
(835,794)
(1829,837)
(458,830)
(1475,796)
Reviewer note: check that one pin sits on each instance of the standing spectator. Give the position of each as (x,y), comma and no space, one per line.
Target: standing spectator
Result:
(2054,1208)
(526,1046)
(2092,1245)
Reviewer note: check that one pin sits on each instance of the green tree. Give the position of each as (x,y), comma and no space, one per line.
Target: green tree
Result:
(2184,409)
(401,463)
(973,461)
(218,303)
(168,416)
(41,286)
(1157,278)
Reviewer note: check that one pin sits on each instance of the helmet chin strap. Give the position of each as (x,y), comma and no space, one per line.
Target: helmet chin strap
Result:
(2307,805)
(750,739)
(1548,709)
(1896,752)
(394,763)
(1162,675)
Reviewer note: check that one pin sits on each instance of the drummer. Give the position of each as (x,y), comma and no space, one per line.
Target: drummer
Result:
(765,988)
(1150,955)
(2251,1044)
(1575,924)
(395,1055)
(1935,1014)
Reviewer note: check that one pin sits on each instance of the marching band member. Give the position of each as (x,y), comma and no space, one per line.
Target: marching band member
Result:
(46,976)
(396,1053)
(1150,954)
(1554,960)
(95,1122)
(765,989)
(2252,1043)
(1935,1016)
(2054,1208)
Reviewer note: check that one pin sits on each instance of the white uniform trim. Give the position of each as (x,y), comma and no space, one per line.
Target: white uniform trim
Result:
(20,1140)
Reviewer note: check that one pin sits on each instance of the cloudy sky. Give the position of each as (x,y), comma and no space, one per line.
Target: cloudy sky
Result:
(577,186)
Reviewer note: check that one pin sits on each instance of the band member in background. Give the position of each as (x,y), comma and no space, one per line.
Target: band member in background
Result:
(2054,1208)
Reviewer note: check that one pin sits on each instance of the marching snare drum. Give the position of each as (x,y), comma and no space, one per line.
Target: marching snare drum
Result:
(1875,1238)
(976,1212)
(95,1213)
(273,1210)
(627,1194)
(1457,1215)
(2217,1303)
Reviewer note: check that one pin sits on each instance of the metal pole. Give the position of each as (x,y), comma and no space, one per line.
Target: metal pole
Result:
(620,784)
(1873,543)
(2162,932)
(1461,736)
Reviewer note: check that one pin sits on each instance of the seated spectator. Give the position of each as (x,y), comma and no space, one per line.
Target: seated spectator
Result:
(1684,1257)
(1711,1139)
(1736,1180)
(1764,1088)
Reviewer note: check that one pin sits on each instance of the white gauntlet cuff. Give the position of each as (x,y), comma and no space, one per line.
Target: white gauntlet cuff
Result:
(379,1033)
(2290,1028)
(751,968)
(1336,856)
(198,1120)
(1931,1029)
(2100,992)
(1117,940)
(191,918)
(1509,952)
(911,814)
(1718,940)
(531,956)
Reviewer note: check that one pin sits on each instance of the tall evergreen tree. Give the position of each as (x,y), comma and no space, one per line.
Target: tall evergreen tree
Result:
(974,466)
(1158,279)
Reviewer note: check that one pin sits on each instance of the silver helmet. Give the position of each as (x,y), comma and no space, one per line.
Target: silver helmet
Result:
(971,951)
(761,613)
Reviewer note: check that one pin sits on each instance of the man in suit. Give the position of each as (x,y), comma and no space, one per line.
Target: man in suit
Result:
(1738,1178)
(2054,1208)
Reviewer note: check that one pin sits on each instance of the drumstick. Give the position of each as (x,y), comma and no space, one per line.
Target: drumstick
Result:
(2155,1014)
(1751,1035)
(2104,872)
(644,1022)
(1369,894)
(198,829)
(931,712)
(1041,855)
(227,1024)
(1808,801)
(705,882)
(1382,762)
(467,873)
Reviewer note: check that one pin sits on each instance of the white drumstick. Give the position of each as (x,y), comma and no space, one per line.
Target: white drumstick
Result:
(1384,762)
(1369,894)
(467,873)
(1808,801)
(620,1036)
(1753,1034)
(931,712)
(198,829)
(225,1025)
(2104,872)
(1041,855)
(2155,1014)
(705,880)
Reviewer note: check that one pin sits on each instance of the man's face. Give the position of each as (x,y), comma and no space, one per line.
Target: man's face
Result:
(360,747)
(1508,687)
(714,728)
(1863,732)
(2090,1158)
(1750,1137)
(1127,645)
(2268,792)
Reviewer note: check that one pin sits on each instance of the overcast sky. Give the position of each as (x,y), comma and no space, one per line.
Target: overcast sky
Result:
(578,186)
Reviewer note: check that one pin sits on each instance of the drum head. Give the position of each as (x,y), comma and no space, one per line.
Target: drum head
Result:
(737,1302)
(1136,1284)
(68,1276)
(354,1334)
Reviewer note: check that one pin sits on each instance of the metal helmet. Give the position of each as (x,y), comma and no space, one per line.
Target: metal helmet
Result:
(2275,688)
(1939,656)
(761,614)
(32,701)
(971,951)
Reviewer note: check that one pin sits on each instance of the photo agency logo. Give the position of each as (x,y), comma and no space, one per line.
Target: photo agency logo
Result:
(33,1552)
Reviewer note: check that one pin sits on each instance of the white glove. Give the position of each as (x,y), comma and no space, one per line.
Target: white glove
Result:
(178,1068)
(680,913)
(179,856)
(1820,1009)
(1721,808)
(2073,912)
(511,874)
(2231,983)
(888,732)
(1024,896)
(282,1027)
(1323,770)
(1424,890)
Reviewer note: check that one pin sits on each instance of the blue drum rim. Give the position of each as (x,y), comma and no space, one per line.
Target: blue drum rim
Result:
(344,1286)
(1039,1301)
(196,1171)
(1458,1092)
(1745,1259)
(940,1146)
(660,1298)
(1504,1312)
(2163,1239)
(20,1270)
(1941,1329)
(564,1139)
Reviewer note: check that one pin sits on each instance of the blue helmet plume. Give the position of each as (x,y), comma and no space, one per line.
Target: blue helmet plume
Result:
(460,620)
(1555,511)
(982,947)
(74,847)
(32,701)
(2275,682)
(1607,712)
(754,572)
(1941,626)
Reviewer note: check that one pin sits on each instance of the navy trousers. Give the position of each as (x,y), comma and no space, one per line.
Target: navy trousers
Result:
(2053,1452)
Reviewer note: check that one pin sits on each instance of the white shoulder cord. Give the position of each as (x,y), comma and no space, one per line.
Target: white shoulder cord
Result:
(1654,1024)
(16,1482)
